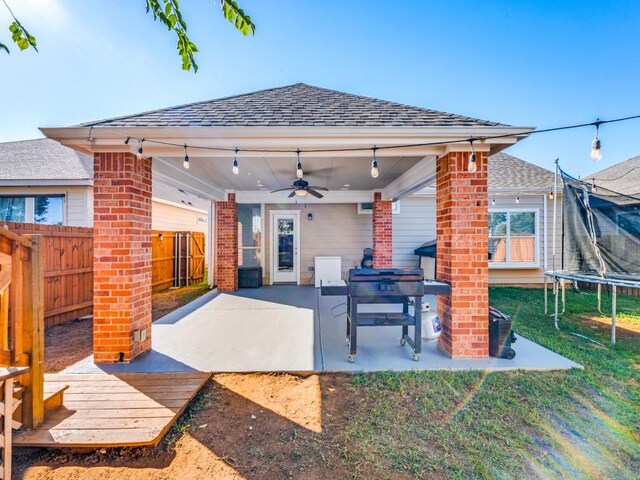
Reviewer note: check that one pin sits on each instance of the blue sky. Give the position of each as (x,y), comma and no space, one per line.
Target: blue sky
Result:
(539,63)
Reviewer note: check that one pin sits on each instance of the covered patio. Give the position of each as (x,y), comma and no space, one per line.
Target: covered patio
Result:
(293,329)
(239,153)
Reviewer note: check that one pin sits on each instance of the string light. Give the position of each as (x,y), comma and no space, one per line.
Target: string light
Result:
(235,168)
(185,164)
(374,164)
(472,166)
(596,150)
(493,200)
(518,198)
(140,149)
(126,142)
(551,194)
(299,172)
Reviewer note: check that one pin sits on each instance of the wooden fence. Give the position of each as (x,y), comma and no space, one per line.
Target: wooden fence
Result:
(68,266)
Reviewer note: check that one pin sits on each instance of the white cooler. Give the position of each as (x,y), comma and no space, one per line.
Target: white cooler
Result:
(327,268)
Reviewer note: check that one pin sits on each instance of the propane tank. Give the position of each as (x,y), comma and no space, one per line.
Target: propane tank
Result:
(430,324)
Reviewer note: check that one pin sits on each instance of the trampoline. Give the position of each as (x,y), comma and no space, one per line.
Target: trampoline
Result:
(600,242)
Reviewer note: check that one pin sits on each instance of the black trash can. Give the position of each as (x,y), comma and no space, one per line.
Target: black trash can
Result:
(500,335)
(249,277)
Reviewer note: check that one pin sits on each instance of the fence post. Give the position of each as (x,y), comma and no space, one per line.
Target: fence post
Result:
(33,334)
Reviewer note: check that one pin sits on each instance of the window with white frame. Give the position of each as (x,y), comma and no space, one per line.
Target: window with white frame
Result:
(45,209)
(513,238)
(366,208)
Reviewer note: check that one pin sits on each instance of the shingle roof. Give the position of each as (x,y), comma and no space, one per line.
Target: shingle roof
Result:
(507,171)
(43,159)
(623,177)
(298,105)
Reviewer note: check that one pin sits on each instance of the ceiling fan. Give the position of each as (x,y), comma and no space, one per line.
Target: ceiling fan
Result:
(301,188)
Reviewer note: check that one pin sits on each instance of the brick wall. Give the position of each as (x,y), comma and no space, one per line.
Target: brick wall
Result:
(121,256)
(382,232)
(462,235)
(227,244)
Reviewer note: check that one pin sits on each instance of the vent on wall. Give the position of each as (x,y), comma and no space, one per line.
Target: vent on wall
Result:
(367,208)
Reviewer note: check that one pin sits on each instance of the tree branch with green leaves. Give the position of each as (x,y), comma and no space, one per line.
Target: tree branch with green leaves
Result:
(168,13)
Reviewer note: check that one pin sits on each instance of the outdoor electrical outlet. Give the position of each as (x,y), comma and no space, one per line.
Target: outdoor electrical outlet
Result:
(143,335)
(136,335)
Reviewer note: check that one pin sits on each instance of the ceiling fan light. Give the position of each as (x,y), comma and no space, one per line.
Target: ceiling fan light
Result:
(301,192)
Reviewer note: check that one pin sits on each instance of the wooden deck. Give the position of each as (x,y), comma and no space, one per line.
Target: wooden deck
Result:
(102,410)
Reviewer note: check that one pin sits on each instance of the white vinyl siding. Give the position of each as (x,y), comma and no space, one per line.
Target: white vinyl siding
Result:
(336,230)
(174,218)
(414,225)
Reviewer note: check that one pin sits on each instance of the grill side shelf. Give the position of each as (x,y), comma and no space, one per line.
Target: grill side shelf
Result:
(384,319)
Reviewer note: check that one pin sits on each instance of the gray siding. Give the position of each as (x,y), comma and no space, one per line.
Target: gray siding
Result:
(336,230)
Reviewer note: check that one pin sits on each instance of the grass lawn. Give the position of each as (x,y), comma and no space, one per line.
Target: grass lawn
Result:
(568,424)
(580,423)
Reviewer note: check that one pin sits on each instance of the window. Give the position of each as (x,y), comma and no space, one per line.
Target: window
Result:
(513,238)
(628,222)
(367,208)
(47,209)
(249,235)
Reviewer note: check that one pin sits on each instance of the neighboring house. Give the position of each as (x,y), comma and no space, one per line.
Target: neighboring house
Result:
(42,181)
(623,177)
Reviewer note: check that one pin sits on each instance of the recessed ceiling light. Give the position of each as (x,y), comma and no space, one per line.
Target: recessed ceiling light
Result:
(347,185)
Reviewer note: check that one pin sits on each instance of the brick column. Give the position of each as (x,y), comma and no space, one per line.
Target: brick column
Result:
(382,232)
(227,244)
(462,235)
(121,256)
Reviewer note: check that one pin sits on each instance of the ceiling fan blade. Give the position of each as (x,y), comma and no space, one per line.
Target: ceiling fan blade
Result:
(323,189)
(281,189)
(315,194)
(292,194)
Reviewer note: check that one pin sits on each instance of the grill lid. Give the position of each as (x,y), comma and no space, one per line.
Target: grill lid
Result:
(386,274)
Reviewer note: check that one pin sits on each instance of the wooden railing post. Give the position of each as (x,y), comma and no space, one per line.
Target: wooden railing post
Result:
(33,334)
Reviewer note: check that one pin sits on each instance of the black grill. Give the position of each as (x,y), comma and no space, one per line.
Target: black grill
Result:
(385,286)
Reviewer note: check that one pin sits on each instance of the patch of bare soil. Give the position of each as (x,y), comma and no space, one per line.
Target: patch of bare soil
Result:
(70,342)
(623,330)
(253,426)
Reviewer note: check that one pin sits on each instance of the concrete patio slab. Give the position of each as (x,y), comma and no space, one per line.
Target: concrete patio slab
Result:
(294,328)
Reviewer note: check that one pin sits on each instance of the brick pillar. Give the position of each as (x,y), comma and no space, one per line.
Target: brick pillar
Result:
(121,256)
(227,244)
(462,235)
(382,232)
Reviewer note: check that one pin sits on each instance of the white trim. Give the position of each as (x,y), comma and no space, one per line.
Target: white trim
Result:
(179,205)
(395,208)
(34,182)
(544,232)
(263,236)
(171,175)
(296,233)
(418,176)
(519,265)
(333,196)
(210,244)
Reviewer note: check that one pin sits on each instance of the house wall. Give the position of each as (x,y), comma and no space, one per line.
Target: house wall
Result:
(167,216)
(78,203)
(336,229)
(415,224)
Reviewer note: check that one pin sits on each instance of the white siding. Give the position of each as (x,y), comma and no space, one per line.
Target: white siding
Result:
(175,218)
(336,230)
(77,201)
(416,224)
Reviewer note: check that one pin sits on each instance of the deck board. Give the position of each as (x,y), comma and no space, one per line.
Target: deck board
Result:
(102,410)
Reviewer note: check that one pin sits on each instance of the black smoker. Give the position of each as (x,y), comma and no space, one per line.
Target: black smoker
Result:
(385,286)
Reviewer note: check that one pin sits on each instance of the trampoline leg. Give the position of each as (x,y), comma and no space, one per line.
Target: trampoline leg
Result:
(555,302)
(564,298)
(546,300)
(600,298)
(614,302)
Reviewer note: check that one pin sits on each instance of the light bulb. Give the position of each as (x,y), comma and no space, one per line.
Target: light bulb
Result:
(518,198)
(472,166)
(596,151)
(185,164)
(299,172)
(235,168)
(301,193)
(550,194)
(374,169)
(493,200)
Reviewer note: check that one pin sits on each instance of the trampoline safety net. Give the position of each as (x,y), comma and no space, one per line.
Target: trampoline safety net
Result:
(601,231)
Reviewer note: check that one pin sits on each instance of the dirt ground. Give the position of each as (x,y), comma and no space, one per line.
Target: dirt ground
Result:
(70,342)
(252,426)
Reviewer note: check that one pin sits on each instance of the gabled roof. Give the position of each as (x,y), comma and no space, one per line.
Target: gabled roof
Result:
(298,105)
(43,159)
(509,172)
(623,177)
